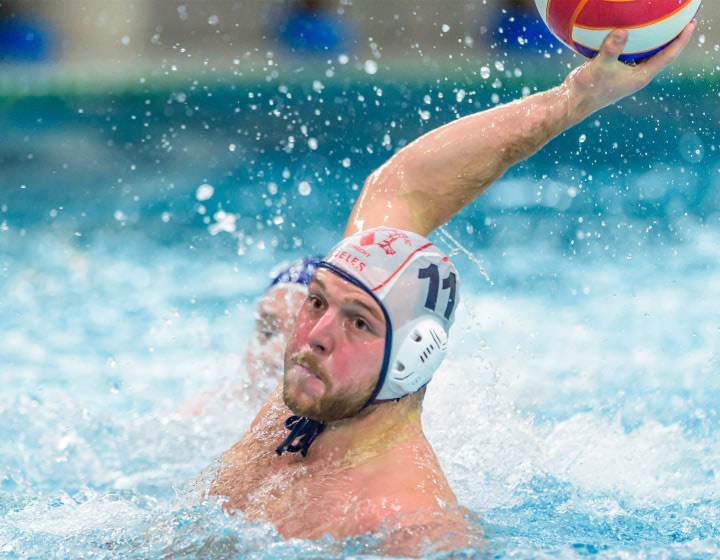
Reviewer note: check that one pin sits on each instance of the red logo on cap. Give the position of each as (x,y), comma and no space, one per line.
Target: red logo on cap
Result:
(385,243)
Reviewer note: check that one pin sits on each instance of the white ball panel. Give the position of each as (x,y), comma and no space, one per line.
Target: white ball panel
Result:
(542,8)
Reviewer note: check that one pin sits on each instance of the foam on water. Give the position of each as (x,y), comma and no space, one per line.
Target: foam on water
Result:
(591,414)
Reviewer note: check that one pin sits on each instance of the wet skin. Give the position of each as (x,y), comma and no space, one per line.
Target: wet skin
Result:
(342,493)
(364,468)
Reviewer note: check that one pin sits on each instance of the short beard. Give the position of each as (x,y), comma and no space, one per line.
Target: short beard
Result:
(331,407)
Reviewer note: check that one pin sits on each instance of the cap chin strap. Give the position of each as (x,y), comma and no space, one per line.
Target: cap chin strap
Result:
(304,430)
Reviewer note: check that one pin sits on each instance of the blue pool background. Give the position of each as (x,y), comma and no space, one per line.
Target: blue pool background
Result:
(577,413)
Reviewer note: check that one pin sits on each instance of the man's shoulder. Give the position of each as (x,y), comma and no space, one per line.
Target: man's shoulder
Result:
(411,472)
(404,479)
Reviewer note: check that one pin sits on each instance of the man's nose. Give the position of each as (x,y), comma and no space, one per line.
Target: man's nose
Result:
(322,334)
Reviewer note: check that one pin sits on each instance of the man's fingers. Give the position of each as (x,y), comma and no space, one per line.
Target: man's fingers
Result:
(612,46)
(660,60)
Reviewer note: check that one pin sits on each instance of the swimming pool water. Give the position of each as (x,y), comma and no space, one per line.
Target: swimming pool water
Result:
(577,413)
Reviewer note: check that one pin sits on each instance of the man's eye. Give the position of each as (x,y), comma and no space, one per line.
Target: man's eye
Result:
(314,301)
(361,324)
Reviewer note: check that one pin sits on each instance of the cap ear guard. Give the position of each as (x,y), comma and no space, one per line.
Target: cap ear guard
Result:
(422,348)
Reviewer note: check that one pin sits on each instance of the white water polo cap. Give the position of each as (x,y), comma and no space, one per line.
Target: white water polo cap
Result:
(417,288)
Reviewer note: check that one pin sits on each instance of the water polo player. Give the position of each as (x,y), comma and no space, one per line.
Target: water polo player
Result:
(374,326)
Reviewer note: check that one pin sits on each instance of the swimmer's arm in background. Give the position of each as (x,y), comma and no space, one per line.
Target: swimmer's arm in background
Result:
(432,179)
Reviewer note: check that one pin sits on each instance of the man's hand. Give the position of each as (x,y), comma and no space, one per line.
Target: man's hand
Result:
(604,80)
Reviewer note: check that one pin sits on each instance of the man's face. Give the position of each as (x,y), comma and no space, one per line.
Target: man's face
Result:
(274,319)
(335,351)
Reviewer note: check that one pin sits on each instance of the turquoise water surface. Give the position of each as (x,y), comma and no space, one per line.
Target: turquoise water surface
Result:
(577,413)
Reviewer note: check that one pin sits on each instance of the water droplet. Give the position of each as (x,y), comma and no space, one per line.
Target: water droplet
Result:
(370,67)
(213,20)
(484,72)
(304,188)
(204,192)
(224,221)
(445,28)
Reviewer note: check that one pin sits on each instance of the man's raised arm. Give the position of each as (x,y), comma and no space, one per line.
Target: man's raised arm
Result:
(433,178)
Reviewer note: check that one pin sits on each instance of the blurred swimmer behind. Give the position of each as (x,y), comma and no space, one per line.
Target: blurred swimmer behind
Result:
(358,357)
(274,318)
